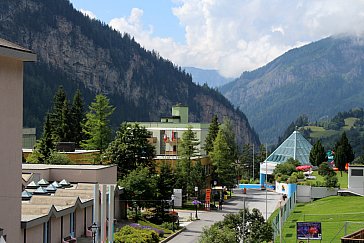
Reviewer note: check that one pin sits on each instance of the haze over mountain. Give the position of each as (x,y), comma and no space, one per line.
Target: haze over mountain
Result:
(319,79)
(211,77)
(78,52)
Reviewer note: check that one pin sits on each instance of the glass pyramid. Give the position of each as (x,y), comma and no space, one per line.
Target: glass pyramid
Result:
(295,146)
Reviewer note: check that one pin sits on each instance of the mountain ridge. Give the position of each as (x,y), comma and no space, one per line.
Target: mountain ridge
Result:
(77,52)
(318,79)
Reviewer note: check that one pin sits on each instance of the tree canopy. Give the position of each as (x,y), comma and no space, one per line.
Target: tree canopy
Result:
(317,154)
(131,149)
(97,126)
(224,155)
(211,135)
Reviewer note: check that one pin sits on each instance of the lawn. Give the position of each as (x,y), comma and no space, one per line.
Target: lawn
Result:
(343,180)
(332,212)
(319,132)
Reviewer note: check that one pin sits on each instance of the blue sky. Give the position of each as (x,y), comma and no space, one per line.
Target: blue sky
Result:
(229,36)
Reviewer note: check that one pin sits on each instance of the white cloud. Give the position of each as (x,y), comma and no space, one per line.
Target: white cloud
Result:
(88,13)
(243,35)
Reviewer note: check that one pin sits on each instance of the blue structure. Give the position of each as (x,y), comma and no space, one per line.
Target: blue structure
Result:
(295,146)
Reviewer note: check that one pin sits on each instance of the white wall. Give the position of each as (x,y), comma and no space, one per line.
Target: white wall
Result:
(11,125)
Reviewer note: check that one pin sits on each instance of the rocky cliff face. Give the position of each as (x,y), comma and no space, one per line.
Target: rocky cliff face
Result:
(78,52)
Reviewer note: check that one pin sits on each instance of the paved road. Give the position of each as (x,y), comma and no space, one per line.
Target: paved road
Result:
(253,199)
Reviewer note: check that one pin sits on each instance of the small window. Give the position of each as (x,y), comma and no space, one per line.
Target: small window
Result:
(356,172)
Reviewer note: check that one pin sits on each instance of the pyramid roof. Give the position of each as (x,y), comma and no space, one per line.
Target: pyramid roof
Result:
(295,146)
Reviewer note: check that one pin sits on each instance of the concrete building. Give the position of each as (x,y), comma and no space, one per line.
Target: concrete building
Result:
(167,133)
(356,179)
(65,208)
(12,57)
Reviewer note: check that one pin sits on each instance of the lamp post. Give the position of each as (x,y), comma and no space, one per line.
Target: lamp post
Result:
(196,190)
(94,228)
(280,221)
(172,200)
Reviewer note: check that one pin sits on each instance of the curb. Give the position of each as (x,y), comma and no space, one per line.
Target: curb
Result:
(172,236)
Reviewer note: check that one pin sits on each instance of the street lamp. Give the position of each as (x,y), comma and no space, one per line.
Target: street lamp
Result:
(94,228)
(280,221)
(196,201)
(173,216)
(172,198)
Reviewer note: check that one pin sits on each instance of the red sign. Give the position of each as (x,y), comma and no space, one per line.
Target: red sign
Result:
(208,194)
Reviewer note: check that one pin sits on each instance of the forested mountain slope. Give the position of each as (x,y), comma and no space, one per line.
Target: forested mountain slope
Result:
(78,52)
(319,79)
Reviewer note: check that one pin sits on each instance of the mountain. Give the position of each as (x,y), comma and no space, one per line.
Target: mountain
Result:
(211,77)
(78,52)
(317,80)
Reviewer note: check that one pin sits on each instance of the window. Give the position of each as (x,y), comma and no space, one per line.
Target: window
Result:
(356,172)
(46,233)
(72,224)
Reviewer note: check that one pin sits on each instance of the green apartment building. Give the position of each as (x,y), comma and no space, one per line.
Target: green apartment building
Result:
(167,133)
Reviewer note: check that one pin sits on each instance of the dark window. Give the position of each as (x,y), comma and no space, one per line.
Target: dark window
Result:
(72,224)
(357,172)
(46,233)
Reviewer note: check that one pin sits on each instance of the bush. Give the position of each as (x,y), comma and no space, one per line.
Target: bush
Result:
(300,175)
(325,169)
(160,232)
(244,181)
(292,179)
(331,181)
(129,234)
(58,159)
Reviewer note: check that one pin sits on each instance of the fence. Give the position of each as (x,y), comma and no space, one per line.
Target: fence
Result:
(286,210)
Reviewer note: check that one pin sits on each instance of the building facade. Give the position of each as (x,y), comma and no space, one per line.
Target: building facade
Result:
(167,134)
(12,57)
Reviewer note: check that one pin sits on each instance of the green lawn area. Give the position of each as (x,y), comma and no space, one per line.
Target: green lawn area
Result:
(349,122)
(343,180)
(332,212)
(319,132)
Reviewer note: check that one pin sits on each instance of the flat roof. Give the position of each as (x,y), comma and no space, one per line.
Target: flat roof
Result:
(68,167)
(26,150)
(13,50)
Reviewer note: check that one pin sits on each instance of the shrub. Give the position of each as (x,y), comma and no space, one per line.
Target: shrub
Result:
(300,175)
(325,169)
(129,234)
(292,179)
(147,227)
(331,181)
(57,158)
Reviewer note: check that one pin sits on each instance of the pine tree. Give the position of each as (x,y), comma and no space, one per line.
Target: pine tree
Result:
(131,149)
(317,154)
(46,143)
(211,135)
(343,153)
(97,126)
(198,175)
(77,118)
(187,150)
(57,119)
(224,155)
(245,167)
